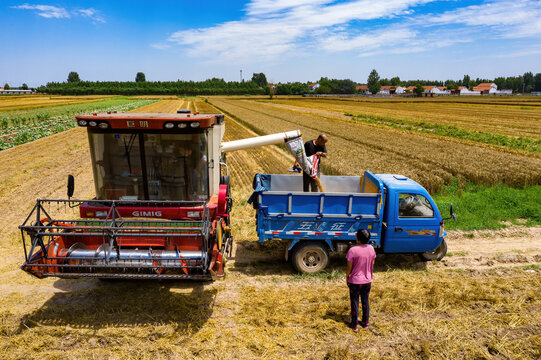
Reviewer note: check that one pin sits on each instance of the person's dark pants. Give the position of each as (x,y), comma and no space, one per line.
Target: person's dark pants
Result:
(308,183)
(362,291)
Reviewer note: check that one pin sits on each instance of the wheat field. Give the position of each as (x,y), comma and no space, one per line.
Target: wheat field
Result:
(481,303)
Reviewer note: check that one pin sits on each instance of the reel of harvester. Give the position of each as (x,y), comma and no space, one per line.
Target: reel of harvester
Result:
(117,247)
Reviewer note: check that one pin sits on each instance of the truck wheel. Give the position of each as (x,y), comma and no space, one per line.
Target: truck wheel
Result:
(310,258)
(436,254)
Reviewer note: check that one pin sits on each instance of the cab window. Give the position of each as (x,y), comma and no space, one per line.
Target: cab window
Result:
(414,206)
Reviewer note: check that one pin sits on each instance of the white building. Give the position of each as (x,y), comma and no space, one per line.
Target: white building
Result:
(465,91)
(487,88)
(400,90)
(313,87)
(15,91)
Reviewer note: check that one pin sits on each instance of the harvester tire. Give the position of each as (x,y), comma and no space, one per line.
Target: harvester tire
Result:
(310,257)
(436,254)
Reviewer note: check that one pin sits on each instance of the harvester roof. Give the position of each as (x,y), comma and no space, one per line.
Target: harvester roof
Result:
(151,121)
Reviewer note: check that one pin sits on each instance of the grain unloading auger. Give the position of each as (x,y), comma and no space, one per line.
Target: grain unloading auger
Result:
(162,206)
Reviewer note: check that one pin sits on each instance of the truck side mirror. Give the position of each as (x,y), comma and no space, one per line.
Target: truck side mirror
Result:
(71,185)
(451,212)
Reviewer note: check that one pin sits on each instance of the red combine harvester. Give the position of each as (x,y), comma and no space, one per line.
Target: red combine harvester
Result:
(162,204)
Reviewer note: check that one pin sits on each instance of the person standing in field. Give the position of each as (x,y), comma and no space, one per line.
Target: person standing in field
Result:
(314,147)
(359,277)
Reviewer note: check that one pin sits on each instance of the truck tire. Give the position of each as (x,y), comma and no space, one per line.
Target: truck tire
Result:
(310,258)
(436,254)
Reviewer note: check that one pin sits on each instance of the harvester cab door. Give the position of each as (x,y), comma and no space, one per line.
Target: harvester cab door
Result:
(414,225)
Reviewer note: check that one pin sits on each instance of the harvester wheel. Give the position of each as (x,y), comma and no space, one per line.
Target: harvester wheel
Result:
(436,254)
(310,258)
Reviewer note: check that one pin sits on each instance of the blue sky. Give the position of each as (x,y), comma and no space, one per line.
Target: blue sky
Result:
(288,40)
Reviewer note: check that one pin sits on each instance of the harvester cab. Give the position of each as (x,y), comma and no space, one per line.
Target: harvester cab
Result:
(162,205)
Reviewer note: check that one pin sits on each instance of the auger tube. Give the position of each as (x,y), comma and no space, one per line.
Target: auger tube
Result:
(259,141)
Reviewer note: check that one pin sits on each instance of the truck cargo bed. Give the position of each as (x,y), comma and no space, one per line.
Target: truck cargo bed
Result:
(349,203)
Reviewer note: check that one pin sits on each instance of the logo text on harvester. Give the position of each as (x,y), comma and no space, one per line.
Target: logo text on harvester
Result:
(147,213)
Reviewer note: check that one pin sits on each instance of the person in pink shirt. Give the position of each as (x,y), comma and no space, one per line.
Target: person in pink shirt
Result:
(359,277)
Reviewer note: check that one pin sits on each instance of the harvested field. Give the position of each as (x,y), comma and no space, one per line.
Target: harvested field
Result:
(163,106)
(481,302)
(353,147)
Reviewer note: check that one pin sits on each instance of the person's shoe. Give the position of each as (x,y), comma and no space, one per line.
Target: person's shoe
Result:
(363,325)
(352,326)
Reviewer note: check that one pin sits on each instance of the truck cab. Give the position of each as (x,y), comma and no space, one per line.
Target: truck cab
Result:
(412,221)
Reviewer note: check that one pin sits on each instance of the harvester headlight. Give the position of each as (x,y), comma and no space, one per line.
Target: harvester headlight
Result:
(83,123)
(182,125)
(195,124)
(169,125)
(92,123)
(104,125)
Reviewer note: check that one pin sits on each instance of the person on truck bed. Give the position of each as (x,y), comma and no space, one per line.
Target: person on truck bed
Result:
(314,147)
(359,277)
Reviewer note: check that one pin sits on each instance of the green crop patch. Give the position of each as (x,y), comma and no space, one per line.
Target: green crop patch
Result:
(482,207)
(22,126)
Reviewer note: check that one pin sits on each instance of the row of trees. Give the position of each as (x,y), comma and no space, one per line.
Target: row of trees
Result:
(259,85)
(23,87)
(214,86)
(523,84)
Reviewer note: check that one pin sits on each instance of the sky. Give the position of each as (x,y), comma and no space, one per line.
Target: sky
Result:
(288,40)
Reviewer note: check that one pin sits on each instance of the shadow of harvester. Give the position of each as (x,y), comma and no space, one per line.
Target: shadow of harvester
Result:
(98,304)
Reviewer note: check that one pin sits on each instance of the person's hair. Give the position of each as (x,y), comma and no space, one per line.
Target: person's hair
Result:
(322,137)
(363,236)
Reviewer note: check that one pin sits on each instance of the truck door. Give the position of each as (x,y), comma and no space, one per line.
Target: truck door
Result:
(414,226)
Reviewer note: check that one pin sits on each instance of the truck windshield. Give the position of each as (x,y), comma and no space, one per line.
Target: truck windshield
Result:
(143,166)
(414,205)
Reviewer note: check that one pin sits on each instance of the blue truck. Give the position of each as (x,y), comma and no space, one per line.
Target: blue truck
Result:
(398,212)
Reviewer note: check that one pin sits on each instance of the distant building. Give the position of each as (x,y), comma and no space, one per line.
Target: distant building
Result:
(436,90)
(386,90)
(463,90)
(313,87)
(400,90)
(14,91)
(363,89)
(487,88)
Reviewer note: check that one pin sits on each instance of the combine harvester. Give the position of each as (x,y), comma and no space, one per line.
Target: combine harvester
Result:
(162,204)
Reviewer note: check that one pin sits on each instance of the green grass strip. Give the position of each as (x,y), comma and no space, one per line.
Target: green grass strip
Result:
(480,207)
(517,143)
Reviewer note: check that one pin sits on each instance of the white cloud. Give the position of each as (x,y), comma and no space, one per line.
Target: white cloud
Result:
(274,28)
(367,41)
(91,14)
(520,53)
(508,18)
(46,11)
(161,46)
(53,12)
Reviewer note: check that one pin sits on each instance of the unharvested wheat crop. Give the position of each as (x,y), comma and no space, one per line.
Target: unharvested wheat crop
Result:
(355,147)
